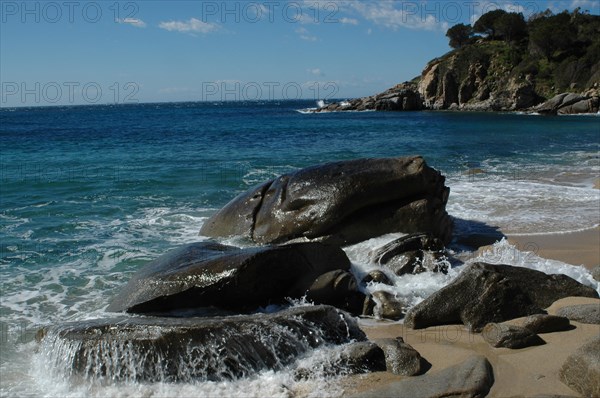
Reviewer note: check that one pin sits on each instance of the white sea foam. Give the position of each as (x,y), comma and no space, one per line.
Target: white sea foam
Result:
(520,207)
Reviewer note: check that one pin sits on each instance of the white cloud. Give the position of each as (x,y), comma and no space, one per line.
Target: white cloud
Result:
(138,23)
(348,21)
(394,15)
(193,25)
(315,71)
(591,5)
(304,34)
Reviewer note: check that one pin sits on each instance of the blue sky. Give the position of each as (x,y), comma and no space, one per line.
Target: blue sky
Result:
(85,52)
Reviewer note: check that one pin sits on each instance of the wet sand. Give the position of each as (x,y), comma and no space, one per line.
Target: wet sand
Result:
(577,248)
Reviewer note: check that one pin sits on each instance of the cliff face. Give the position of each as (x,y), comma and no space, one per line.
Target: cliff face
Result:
(483,77)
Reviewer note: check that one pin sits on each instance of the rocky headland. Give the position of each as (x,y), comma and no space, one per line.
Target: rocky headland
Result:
(552,67)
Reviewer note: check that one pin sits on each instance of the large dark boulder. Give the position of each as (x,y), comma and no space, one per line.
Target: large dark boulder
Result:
(340,203)
(188,349)
(205,275)
(485,293)
(581,370)
(472,378)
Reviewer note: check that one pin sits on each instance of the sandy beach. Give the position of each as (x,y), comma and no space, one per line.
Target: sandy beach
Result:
(577,248)
(527,372)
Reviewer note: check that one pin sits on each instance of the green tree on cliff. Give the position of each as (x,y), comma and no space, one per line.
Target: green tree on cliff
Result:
(511,27)
(459,35)
(486,24)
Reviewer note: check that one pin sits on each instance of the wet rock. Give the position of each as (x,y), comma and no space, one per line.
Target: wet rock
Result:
(584,313)
(205,275)
(581,370)
(401,358)
(337,288)
(353,358)
(411,254)
(389,307)
(485,293)
(340,203)
(542,323)
(471,378)
(510,336)
(187,349)
(376,276)
(596,272)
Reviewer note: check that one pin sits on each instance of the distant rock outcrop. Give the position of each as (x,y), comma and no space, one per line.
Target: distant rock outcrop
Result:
(402,97)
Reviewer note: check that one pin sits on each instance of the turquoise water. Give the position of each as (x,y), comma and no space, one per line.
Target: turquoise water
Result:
(89,194)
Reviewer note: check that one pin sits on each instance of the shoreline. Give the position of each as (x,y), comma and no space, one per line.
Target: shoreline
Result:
(517,372)
(581,248)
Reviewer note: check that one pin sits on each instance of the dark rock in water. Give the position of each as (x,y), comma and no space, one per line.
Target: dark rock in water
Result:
(472,378)
(401,358)
(354,358)
(376,276)
(212,275)
(187,349)
(485,293)
(389,306)
(581,370)
(337,288)
(411,254)
(542,323)
(340,203)
(510,336)
(584,313)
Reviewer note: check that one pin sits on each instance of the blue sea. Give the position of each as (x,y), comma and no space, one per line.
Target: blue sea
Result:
(89,194)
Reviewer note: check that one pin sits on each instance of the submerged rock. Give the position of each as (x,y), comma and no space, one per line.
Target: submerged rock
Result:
(584,313)
(205,274)
(340,203)
(581,370)
(510,336)
(485,293)
(471,378)
(354,358)
(388,306)
(187,349)
(337,288)
(376,276)
(411,254)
